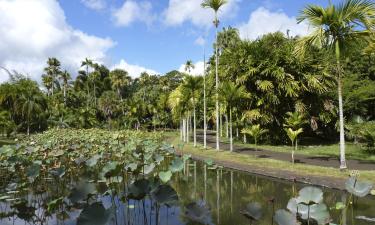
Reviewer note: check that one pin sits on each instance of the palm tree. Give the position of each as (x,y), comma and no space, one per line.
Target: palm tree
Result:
(337,28)
(293,136)
(119,79)
(65,77)
(108,105)
(231,94)
(255,131)
(29,103)
(47,82)
(93,77)
(216,5)
(53,70)
(190,89)
(87,63)
(189,65)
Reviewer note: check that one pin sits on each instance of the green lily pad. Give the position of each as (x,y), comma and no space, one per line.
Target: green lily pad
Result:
(199,213)
(310,195)
(177,165)
(253,211)
(33,171)
(95,214)
(283,217)
(147,169)
(165,195)
(358,188)
(81,191)
(58,172)
(139,189)
(165,176)
(93,161)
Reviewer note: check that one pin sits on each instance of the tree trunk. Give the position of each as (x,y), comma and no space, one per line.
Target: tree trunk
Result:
(65,94)
(187,128)
(181,131)
(221,124)
(244,138)
(237,132)
(231,134)
(341,111)
(292,152)
(217,87)
(204,105)
(227,126)
(195,129)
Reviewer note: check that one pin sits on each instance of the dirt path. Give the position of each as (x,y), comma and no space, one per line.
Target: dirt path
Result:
(299,158)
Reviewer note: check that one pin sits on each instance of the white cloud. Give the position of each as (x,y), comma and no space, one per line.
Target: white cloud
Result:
(180,11)
(33,30)
(197,71)
(94,4)
(263,21)
(200,41)
(133,70)
(132,11)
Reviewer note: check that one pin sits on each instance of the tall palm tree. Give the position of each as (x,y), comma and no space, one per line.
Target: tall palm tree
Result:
(47,82)
(53,70)
(216,5)
(87,63)
(119,79)
(189,65)
(338,28)
(231,94)
(191,87)
(65,77)
(94,77)
(108,105)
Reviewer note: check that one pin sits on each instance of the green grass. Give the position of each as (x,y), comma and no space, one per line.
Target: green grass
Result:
(352,151)
(266,164)
(6,142)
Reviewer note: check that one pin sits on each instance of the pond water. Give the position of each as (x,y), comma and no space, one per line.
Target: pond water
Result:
(225,193)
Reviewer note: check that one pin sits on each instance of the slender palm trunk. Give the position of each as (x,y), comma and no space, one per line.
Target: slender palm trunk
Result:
(204,105)
(341,111)
(53,82)
(181,130)
(187,128)
(293,152)
(227,126)
(231,134)
(221,124)
(65,94)
(184,128)
(195,128)
(244,138)
(217,87)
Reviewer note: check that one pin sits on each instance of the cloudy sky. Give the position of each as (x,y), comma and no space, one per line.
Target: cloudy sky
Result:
(156,36)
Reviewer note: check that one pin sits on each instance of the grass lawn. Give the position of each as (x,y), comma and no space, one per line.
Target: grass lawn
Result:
(352,151)
(264,163)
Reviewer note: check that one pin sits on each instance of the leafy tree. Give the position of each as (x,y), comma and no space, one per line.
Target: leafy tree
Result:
(293,136)
(189,65)
(119,79)
(108,105)
(338,28)
(231,94)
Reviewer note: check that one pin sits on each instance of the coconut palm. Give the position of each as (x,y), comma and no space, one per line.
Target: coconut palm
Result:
(190,89)
(94,77)
(119,79)
(255,131)
(338,28)
(108,105)
(216,5)
(47,82)
(29,104)
(231,94)
(189,65)
(65,77)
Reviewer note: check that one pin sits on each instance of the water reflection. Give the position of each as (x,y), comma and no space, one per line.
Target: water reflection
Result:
(225,192)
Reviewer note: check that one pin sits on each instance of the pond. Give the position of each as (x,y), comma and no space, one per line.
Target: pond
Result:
(114,179)
(226,193)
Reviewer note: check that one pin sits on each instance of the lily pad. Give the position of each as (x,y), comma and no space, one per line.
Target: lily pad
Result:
(139,189)
(165,195)
(95,214)
(165,176)
(147,169)
(310,195)
(93,161)
(33,171)
(82,191)
(318,212)
(58,172)
(253,211)
(199,213)
(177,165)
(283,217)
(358,188)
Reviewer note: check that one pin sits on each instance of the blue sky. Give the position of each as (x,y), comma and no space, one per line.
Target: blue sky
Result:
(136,35)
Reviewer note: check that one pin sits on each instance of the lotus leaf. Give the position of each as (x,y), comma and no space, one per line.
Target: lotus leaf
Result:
(177,165)
(283,217)
(33,171)
(253,211)
(95,214)
(139,189)
(198,213)
(147,169)
(58,172)
(165,176)
(358,188)
(81,191)
(310,195)
(93,161)
(318,212)
(165,195)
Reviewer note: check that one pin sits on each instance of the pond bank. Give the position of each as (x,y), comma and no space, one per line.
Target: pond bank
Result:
(308,174)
